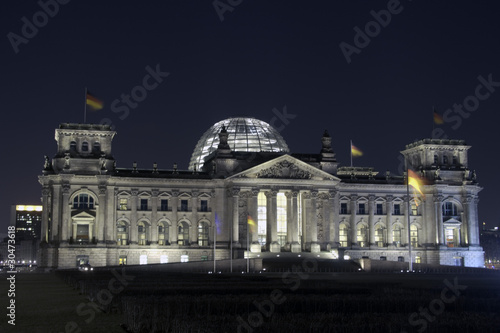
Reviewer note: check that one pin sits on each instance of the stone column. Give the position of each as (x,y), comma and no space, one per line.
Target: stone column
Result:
(388,211)
(110,216)
(289,220)
(272,227)
(133,216)
(154,216)
(45,214)
(438,215)
(404,232)
(295,246)
(101,216)
(472,220)
(334,218)
(253,209)
(65,214)
(174,230)
(306,208)
(354,199)
(194,218)
(327,213)
(55,228)
(371,219)
(236,215)
(315,246)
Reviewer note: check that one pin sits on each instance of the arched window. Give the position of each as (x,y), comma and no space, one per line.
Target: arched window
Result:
(379,236)
(85,146)
(436,159)
(449,209)
(414,235)
(396,235)
(183,234)
(163,233)
(361,235)
(142,233)
(72,146)
(97,147)
(121,233)
(343,235)
(203,234)
(83,201)
(262,217)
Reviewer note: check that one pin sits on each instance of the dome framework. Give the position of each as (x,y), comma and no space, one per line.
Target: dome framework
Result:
(244,135)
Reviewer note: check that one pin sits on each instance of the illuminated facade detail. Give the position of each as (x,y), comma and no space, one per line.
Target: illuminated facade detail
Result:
(302,203)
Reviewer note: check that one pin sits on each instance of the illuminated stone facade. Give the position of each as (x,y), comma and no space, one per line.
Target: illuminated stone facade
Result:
(300,203)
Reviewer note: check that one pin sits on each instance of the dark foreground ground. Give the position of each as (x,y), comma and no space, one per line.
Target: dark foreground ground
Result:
(124,300)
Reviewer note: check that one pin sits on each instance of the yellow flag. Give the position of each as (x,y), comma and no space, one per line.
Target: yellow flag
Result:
(251,223)
(416,182)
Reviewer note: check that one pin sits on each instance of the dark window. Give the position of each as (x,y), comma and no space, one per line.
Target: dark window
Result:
(449,209)
(445,159)
(401,259)
(72,146)
(144,204)
(97,147)
(397,209)
(343,208)
(380,209)
(435,159)
(383,258)
(184,205)
(83,201)
(455,161)
(361,208)
(85,146)
(164,204)
(204,206)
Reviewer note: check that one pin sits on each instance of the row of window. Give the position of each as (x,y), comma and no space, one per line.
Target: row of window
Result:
(380,236)
(448,208)
(163,234)
(85,146)
(164,206)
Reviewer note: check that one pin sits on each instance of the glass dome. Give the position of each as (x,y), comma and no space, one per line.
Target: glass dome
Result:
(244,134)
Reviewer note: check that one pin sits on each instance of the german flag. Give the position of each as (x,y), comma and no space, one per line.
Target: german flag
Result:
(438,119)
(251,224)
(416,182)
(93,102)
(355,151)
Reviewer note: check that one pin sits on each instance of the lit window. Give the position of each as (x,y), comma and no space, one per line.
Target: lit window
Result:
(143,259)
(163,234)
(361,235)
(184,258)
(123,204)
(163,259)
(414,209)
(203,234)
(414,235)
(396,235)
(121,233)
(379,236)
(183,234)
(142,233)
(343,235)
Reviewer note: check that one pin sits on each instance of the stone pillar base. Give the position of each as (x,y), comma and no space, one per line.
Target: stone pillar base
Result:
(295,247)
(315,248)
(275,247)
(255,248)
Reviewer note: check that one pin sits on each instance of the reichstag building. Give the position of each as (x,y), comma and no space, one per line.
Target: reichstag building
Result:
(241,169)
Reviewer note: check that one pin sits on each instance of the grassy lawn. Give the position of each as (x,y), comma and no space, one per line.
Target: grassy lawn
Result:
(46,304)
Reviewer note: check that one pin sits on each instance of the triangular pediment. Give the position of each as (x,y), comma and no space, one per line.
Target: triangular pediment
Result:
(285,167)
(452,221)
(82,215)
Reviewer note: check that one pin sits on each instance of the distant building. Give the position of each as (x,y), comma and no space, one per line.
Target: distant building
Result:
(490,241)
(28,222)
(306,204)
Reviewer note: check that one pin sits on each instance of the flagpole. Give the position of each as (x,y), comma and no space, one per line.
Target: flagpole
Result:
(433,122)
(351,153)
(85,108)
(215,241)
(410,264)
(248,248)
(231,249)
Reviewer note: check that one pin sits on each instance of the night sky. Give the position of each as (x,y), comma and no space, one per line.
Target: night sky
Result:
(263,56)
